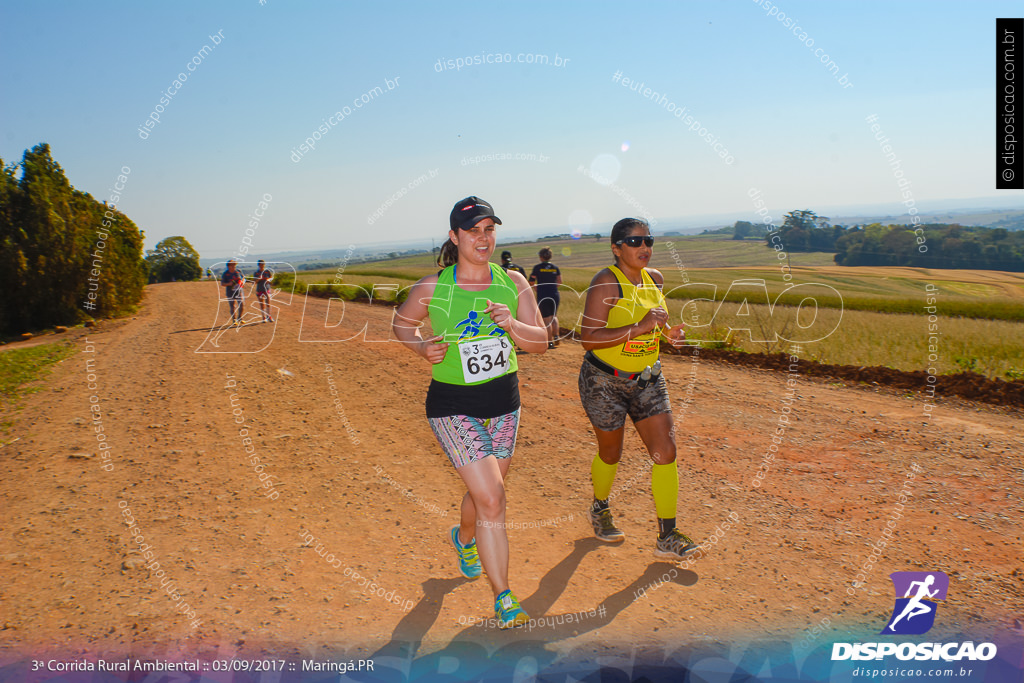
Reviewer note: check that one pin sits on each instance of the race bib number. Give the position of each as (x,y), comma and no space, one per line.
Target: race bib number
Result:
(484,358)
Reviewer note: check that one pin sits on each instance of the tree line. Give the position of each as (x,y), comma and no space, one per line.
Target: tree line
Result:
(932,245)
(64,255)
(922,245)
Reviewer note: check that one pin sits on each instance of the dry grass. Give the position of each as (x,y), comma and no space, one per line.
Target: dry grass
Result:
(889,326)
(896,340)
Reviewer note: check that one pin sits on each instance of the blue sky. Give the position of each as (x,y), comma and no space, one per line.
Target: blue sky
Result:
(85,77)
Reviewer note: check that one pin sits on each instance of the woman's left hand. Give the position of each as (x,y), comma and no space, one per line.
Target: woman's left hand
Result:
(500,314)
(676,335)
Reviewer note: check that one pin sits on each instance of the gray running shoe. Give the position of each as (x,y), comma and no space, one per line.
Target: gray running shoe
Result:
(604,528)
(675,546)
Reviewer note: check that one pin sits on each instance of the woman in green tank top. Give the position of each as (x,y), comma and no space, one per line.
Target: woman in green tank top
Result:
(476,312)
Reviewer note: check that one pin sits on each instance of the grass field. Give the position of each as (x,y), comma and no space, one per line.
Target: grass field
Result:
(19,370)
(878,314)
(709,251)
(897,340)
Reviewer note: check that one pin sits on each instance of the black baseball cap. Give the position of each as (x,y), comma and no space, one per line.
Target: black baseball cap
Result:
(470,211)
(506,254)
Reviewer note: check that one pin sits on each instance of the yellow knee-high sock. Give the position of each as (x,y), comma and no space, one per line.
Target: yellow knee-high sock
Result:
(603,476)
(665,486)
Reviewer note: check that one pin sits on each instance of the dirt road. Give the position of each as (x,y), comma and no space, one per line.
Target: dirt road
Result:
(354,471)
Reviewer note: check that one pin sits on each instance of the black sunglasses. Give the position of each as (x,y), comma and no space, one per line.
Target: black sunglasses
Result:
(637,240)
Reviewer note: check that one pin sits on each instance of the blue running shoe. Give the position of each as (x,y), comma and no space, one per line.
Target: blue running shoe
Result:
(508,612)
(469,560)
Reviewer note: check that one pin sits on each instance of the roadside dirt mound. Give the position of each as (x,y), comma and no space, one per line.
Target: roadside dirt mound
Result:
(969,385)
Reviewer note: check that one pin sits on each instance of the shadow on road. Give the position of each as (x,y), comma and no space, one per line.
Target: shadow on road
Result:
(484,650)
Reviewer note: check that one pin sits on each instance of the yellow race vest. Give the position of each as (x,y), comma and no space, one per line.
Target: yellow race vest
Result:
(636,354)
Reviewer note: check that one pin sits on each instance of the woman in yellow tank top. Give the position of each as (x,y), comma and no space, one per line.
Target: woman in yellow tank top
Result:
(623,320)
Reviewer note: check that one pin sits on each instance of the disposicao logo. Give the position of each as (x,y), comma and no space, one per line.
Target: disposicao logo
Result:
(917,600)
(914,613)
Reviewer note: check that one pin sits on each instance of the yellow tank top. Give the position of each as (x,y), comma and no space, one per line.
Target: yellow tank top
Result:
(637,353)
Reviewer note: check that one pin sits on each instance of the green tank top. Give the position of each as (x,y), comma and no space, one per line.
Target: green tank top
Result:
(477,346)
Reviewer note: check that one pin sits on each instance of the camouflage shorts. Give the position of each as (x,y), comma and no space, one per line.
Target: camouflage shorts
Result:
(608,399)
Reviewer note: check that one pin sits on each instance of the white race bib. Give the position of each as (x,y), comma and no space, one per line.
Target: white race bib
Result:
(484,358)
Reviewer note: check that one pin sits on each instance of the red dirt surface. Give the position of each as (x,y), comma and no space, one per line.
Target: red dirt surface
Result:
(342,468)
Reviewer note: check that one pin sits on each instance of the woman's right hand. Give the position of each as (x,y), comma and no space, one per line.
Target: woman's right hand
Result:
(432,350)
(656,317)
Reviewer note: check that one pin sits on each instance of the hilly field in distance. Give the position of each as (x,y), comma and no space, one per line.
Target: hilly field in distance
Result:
(865,315)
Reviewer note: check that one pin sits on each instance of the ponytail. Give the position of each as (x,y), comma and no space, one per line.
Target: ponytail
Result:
(449,254)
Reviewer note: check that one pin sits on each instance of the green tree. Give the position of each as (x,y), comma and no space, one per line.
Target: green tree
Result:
(180,268)
(173,258)
(804,230)
(13,263)
(948,246)
(743,230)
(804,220)
(60,249)
(898,247)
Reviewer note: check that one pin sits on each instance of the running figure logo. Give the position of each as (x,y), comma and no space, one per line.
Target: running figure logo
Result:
(914,613)
(472,323)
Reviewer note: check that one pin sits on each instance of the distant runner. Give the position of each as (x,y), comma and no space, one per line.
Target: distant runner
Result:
(546,277)
(621,375)
(232,282)
(478,310)
(506,263)
(263,276)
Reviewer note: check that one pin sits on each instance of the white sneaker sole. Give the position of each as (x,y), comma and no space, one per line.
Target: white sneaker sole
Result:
(610,539)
